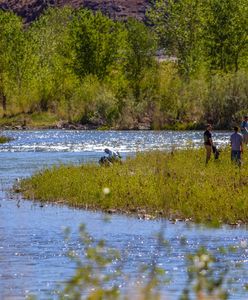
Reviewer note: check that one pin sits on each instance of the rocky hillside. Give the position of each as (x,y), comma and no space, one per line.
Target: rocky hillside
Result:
(116,9)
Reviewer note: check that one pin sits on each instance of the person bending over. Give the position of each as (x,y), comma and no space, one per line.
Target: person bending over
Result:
(111,158)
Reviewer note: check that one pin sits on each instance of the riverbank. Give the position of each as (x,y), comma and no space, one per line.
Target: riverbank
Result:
(47,120)
(52,121)
(175,185)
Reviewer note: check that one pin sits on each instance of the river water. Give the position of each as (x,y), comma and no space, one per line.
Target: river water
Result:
(33,251)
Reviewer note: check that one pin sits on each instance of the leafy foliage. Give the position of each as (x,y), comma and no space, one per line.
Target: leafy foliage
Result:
(228,46)
(178,26)
(81,66)
(11,53)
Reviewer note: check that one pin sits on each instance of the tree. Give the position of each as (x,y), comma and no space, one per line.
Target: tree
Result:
(226,33)
(178,25)
(49,39)
(97,43)
(140,55)
(11,51)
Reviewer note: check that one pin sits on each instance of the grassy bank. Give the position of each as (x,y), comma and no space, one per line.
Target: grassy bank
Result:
(173,185)
(35,120)
(47,120)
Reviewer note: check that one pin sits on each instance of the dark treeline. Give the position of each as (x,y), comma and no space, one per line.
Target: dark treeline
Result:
(83,67)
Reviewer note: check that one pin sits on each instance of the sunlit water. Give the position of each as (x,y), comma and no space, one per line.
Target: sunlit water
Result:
(33,251)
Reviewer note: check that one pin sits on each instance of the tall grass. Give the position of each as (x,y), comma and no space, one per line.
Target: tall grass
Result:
(168,184)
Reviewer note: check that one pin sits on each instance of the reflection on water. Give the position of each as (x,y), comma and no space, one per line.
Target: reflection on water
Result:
(96,141)
(32,247)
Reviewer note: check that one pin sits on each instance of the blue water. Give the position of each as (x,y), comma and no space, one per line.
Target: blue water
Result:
(33,250)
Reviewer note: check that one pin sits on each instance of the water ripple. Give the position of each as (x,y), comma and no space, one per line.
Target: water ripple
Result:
(33,252)
(96,141)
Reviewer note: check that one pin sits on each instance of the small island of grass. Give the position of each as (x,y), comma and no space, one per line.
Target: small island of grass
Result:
(175,185)
(5,139)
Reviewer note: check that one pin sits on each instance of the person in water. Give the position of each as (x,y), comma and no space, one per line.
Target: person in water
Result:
(113,156)
(208,142)
(236,140)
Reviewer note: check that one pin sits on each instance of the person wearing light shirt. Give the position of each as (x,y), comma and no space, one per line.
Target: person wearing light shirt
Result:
(236,146)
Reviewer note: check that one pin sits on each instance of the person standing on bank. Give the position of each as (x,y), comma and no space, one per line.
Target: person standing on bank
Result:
(237,146)
(208,142)
(244,129)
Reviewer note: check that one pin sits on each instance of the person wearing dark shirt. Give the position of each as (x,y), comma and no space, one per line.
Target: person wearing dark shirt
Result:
(208,142)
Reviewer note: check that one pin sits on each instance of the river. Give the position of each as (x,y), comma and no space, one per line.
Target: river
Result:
(33,251)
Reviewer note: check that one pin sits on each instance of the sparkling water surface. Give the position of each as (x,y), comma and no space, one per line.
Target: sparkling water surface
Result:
(33,251)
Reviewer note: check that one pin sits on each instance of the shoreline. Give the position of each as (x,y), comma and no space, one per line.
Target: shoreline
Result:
(141,214)
(173,185)
(44,121)
(83,127)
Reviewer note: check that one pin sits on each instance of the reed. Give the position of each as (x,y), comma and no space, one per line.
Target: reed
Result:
(175,184)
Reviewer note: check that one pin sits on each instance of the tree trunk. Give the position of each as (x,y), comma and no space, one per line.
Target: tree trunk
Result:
(3,99)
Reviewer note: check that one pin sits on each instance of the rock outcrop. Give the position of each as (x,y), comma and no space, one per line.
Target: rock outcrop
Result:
(29,10)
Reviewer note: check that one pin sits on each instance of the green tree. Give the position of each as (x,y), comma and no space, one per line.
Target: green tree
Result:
(97,44)
(51,58)
(140,54)
(226,33)
(178,25)
(11,51)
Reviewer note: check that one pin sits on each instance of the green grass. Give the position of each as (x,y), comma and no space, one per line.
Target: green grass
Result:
(35,120)
(173,185)
(5,139)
